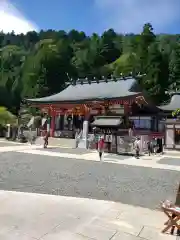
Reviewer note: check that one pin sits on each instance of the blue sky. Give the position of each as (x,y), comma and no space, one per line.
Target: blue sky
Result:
(90,15)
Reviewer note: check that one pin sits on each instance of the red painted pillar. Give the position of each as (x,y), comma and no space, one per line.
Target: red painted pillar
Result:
(86,113)
(126,108)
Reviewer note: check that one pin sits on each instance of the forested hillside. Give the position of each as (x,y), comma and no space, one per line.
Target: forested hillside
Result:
(39,64)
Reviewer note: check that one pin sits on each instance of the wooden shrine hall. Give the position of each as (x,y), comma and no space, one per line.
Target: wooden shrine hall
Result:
(172,125)
(85,100)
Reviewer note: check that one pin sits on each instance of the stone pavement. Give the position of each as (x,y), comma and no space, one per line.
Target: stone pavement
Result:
(28,216)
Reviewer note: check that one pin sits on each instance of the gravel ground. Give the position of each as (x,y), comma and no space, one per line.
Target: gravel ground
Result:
(170,161)
(139,186)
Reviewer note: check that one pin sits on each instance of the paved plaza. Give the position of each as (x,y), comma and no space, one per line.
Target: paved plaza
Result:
(62,193)
(27,216)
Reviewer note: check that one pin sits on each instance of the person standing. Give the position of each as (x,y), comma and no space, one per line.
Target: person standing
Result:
(137,147)
(96,138)
(154,145)
(101,147)
(109,142)
(77,137)
(149,147)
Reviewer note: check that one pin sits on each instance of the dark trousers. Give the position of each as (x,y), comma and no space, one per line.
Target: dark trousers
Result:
(100,155)
(97,146)
(109,146)
(137,153)
(45,143)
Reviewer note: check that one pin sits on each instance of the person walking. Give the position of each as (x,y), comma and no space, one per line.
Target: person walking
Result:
(46,138)
(101,147)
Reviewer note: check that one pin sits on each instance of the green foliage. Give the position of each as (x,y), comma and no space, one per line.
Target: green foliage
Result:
(155,81)
(39,64)
(124,64)
(176,112)
(174,68)
(7,117)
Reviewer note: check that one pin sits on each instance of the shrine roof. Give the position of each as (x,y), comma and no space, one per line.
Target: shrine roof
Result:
(173,104)
(93,91)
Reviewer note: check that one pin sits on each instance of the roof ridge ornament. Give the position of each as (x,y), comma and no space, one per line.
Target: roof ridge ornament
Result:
(112,78)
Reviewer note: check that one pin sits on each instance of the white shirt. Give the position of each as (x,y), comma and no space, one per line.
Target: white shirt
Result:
(137,144)
(108,138)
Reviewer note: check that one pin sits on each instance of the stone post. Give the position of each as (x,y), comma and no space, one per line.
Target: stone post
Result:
(84,137)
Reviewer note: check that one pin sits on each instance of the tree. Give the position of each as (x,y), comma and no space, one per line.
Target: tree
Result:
(174,68)
(38,64)
(7,117)
(110,51)
(125,64)
(48,73)
(146,38)
(154,80)
(12,59)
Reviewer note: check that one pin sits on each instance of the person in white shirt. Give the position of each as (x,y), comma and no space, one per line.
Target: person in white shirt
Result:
(137,147)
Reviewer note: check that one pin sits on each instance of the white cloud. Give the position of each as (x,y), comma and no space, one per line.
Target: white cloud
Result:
(131,15)
(12,20)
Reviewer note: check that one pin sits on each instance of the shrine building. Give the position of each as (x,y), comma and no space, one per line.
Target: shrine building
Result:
(172,125)
(101,102)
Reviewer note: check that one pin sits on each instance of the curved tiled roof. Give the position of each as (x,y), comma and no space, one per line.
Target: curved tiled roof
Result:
(173,105)
(93,91)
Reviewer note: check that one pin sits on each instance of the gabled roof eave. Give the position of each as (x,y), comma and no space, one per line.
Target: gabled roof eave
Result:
(44,101)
